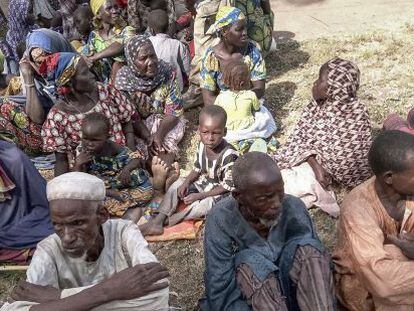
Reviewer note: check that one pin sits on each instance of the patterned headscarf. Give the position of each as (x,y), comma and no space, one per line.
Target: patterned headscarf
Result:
(96,5)
(226,16)
(336,131)
(130,79)
(61,68)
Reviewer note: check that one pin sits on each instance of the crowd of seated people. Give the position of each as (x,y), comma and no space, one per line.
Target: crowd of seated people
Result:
(103,86)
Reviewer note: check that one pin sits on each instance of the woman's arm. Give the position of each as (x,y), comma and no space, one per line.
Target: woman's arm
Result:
(128,130)
(322,176)
(259,88)
(34,109)
(167,124)
(115,49)
(209,97)
(62,163)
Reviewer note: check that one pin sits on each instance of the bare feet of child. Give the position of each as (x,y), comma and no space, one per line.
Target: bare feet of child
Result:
(154,226)
(173,175)
(160,172)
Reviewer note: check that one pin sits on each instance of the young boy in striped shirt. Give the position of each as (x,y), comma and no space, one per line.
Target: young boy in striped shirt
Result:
(209,181)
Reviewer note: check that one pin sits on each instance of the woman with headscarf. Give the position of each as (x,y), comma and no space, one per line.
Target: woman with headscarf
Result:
(235,46)
(21,118)
(80,94)
(25,218)
(333,134)
(105,44)
(152,86)
(259,17)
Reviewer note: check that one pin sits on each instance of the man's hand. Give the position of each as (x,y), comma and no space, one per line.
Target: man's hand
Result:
(25,291)
(182,191)
(192,197)
(405,241)
(136,282)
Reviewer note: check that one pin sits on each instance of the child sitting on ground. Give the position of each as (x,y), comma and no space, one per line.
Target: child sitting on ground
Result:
(240,104)
(128,185)
(209,181)
(168,49)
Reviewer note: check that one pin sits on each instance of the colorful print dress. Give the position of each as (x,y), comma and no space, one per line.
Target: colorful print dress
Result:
(137,194)
(62,131)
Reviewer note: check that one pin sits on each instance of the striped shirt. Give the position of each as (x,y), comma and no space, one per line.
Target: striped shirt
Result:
(217,172)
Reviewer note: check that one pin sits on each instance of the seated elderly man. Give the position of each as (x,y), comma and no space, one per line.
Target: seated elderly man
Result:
(261,250)
(375,252)
(90,262)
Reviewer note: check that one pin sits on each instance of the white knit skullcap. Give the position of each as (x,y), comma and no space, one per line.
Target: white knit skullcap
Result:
(76,186)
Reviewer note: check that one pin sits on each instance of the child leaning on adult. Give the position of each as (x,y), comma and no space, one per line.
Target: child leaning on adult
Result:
(234,45)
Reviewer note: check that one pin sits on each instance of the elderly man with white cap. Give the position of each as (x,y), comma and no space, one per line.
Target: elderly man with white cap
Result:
(90,262)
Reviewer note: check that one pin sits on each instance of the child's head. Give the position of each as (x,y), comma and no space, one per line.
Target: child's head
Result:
(95,132)
(158,21)
(212,126)
(338,80)
(83,18)
(320,86)
(236,76)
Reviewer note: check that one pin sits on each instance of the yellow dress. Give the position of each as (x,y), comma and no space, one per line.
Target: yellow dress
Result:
(239,107)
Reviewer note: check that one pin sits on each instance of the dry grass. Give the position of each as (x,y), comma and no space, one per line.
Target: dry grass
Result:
(387,85)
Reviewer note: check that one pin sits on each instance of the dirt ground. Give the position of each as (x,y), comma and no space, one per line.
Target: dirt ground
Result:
(312,19)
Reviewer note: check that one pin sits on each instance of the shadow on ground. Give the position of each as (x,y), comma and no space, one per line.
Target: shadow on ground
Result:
(288,55)
(277,96)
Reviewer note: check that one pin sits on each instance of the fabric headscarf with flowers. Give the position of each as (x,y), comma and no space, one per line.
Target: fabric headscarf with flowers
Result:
(226,16)
(130,79)
(61,68)
(337,131)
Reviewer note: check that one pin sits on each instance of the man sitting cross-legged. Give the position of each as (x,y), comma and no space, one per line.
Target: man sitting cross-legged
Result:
(90,262)
(375,251)
(261,250)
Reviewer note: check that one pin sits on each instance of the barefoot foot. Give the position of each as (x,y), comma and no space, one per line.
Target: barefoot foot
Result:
(152,227)
(160,171)
(173,175)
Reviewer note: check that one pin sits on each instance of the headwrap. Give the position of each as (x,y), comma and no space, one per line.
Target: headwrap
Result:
(42,42)
(395,122)
(226,16)
(60,68)
(130,79)
(96,5)
(76,186)
(337,131)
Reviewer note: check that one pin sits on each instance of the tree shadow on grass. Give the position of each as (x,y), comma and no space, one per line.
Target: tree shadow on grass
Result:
(288,55)
(277,96)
